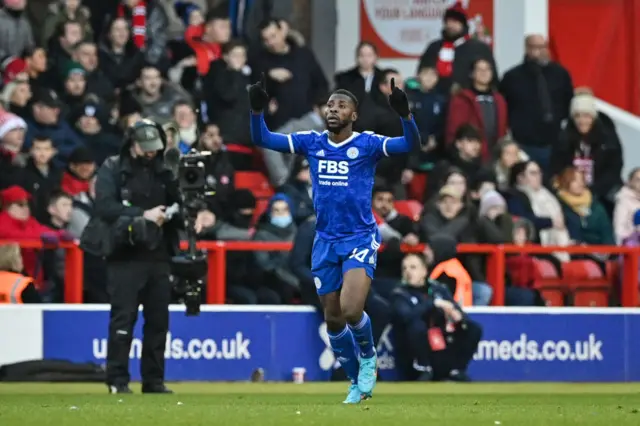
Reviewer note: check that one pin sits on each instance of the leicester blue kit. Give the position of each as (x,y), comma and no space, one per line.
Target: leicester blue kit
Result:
(342,176)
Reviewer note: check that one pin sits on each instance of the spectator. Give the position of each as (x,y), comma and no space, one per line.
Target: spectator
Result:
(219,170)
(12,129)
(452,176)
(428,107)
(148,22)
(86,54)
(15,31)
(538,94)
(521,269)
(53,265)
(481,106)
(41,176)
(586,219)
(279,164)
(74,79)
(395,229)
(278,226)
(493,207)
(186,121)
(11,268)
(65,10)
(155,96)
(82,210)
(81,168)
(16,223)
(483,181)
(391,171)
(363,81)
(60,49)
(91,122)
(119,58)
(15,96)
(529,199)
(37,62)
(439,337)
(452,216)
(13,69)
(633,239)
(627,204)
(453,54)
(506,154)
(225,91)
(46,121)
(465,154)
(299,191)
(182,14)
(289,68)
(590,144)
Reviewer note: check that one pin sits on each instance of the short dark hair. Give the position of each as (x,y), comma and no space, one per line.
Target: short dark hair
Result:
(348,94)
(232,44)
(469,132)
(61,28)
(58,194)
(182,102)
(387,71)
(516,170)
(382,188)
(216,14)
(267,22)
(365,43)
(42,138)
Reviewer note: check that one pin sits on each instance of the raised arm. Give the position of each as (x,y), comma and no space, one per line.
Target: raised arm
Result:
(411,135)
(261,136)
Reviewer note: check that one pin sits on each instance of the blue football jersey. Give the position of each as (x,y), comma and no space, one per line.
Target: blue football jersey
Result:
(342,177)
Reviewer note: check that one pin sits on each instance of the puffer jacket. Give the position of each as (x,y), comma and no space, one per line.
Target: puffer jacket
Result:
(627,203)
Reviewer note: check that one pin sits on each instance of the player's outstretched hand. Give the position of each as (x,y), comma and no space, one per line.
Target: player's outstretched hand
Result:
(398,100)
(258,97)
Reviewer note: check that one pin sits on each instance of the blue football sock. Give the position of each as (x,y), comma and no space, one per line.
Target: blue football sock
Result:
(364,336)
(344,348)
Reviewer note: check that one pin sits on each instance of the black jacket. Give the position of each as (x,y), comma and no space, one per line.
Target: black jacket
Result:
(225,92)
(121,69)
(40,186)
(220,174)
(124,190)
(411,304)
(519,86)
(11,173)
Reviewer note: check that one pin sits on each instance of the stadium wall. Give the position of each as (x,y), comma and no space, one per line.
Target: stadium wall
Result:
(227,343)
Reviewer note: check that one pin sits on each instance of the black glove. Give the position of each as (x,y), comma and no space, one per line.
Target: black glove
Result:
(398,100)
(258,97)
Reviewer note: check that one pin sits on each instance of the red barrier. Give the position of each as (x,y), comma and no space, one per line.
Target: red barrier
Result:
(496,254)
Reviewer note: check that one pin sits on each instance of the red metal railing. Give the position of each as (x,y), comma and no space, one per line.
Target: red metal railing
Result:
(496,254)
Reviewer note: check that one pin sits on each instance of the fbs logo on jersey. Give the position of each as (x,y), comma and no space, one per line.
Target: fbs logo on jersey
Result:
(333,173)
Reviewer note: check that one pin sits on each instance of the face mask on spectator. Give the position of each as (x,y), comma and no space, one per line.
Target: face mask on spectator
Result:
(281,221)
(242,220)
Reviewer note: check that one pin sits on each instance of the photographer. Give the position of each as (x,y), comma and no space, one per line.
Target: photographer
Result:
(134,192)
(430,327)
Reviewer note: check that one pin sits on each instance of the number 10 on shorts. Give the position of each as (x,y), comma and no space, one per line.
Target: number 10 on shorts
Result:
(361,256)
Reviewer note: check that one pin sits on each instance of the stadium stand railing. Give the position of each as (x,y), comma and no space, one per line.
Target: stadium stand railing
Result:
(584,279)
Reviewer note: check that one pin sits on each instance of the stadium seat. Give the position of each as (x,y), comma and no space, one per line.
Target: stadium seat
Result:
(551,286)
(589,285)
(255,182)
(409,208)
(261,207)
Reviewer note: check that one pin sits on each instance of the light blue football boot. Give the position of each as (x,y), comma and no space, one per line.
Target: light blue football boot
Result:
(354,396)
(368,375)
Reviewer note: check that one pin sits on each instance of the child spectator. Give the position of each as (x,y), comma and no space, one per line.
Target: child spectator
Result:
(586,219)
(80,170)
(480,105)
(521,268)
(528,198)
(506,154)
(41,176)
(627,203)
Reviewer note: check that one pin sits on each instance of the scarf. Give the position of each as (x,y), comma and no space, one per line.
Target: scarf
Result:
(581,204)
(447,54)
(205,52)
(545,204)
(138,22)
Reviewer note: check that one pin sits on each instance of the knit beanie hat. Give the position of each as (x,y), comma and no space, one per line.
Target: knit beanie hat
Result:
(584,103)
(71,68)
(9,122)
(456,12)
(489,200)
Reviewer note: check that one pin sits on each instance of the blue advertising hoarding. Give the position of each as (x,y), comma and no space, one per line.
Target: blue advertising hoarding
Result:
(230,343)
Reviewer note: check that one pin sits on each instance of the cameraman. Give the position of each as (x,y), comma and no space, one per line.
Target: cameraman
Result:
(133,193)
(430,327)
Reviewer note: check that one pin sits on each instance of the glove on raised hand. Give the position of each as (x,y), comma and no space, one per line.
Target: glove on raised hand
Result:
(258,97)
(398,100)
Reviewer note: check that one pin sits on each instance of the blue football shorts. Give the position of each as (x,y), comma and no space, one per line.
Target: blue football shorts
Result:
(330,260)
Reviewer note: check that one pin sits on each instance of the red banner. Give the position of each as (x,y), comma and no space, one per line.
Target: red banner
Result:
(404,28)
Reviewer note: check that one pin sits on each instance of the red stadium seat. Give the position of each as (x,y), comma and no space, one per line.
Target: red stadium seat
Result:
(255,182)
(589,285)
(549,283)
(409,208)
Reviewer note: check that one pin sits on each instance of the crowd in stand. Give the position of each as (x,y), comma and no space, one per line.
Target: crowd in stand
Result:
(522,159)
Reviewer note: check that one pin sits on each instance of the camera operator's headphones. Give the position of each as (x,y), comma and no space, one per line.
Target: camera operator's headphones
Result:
(138,128)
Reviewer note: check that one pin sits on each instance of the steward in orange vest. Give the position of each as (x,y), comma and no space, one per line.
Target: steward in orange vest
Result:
(16,288)
(449,270)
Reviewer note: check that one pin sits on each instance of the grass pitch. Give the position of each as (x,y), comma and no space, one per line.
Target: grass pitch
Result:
(397,404)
